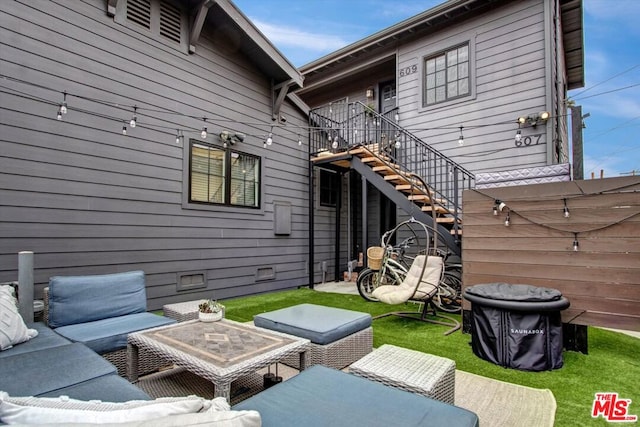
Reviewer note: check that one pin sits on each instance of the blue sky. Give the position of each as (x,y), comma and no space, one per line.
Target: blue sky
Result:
(307,30)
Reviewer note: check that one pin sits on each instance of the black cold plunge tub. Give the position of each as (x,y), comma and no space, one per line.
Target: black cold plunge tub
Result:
(517,326)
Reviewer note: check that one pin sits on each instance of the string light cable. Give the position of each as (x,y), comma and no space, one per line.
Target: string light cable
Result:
(142,110)
(500,205)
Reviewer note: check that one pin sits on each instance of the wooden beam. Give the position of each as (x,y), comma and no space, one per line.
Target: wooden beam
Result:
(278,93)
(112,5)
(198,23)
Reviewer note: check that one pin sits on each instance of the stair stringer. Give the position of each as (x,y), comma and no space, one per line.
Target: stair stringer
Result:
(400,199)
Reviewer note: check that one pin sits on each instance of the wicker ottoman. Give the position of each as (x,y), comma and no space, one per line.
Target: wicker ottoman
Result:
(338,337)
(182,311)
(409,370)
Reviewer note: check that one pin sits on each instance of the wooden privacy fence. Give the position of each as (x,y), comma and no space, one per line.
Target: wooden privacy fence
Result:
(591,253)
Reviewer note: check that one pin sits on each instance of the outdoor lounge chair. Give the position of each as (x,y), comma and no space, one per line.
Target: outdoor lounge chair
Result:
(420,286)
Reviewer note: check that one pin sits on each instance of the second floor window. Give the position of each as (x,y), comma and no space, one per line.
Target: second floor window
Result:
(223,177)
(447,75)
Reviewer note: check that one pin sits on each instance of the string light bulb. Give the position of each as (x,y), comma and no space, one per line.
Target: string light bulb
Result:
(518,137)
(334,144)
(177,136)
(566,212)
(203,134)
(461,139)
(299,141)
(124,129)
(134,119)
(60,113)
(63,106)
(576,245)
(269,140)
(507,220)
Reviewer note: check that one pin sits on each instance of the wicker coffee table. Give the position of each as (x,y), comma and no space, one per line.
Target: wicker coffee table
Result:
(220,352)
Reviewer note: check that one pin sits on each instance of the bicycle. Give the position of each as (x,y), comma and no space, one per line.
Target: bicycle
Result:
(396,261)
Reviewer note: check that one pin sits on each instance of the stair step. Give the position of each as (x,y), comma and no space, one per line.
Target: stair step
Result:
(439,209)
(445,220)
(396,177)
(379,158)
(384,169)
(371,160)
(420,197)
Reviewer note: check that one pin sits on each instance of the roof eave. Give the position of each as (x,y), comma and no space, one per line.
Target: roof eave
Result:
(252,32)
(385,34)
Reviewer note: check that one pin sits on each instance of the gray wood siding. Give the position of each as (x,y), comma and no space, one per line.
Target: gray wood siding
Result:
(508,66)
(89,200)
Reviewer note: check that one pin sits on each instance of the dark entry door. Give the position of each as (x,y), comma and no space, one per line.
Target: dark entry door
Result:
(387,103)
(387,96)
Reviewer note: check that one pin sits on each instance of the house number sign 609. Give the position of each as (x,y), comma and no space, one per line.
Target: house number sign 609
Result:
(526,141)
(408,70)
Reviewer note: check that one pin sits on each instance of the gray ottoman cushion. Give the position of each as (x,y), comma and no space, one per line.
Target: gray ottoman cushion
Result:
(319,324)
(321,396)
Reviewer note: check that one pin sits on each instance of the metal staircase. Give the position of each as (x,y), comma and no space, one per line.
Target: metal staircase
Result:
(421,181)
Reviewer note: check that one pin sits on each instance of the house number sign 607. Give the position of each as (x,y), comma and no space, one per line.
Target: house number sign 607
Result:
(408,70)
(526,141)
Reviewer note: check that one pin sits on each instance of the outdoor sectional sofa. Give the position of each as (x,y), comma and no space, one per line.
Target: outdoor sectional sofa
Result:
(48,366)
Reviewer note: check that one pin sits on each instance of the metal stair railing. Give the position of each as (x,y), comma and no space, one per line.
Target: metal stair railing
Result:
(341,126)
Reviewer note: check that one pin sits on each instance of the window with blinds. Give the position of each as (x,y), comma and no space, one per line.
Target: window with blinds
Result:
(223,176)
(447,75)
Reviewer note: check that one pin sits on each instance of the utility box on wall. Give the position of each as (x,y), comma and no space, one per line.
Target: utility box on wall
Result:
(281,218)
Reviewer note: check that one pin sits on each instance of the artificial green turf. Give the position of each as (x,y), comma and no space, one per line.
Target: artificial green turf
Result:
(612,365)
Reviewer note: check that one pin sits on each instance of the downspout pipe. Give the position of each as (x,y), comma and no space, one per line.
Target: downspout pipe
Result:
(311,221)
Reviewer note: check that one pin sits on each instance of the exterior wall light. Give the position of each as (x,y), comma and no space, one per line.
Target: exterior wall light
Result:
(370,93)
(534,119)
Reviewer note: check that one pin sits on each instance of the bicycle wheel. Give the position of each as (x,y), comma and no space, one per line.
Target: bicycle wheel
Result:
(368,280)
(448,298)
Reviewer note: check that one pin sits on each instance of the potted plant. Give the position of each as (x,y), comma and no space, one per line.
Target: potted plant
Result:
(210,310)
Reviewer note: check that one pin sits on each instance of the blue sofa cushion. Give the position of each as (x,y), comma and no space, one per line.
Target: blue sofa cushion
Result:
(108,388)
(107,335)
(79,299)
(319,324)
(321,396)
(46,338)
(47,370)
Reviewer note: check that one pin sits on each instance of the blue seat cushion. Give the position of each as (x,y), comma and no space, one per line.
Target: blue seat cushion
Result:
(108,388)
(51,369)
(319,324)
(321,396)
(107,335)
(79,299)
(46,338)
